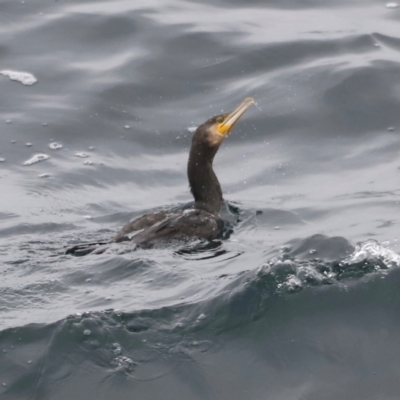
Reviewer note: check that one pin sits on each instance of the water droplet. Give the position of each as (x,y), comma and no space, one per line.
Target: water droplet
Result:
(312,251)
(28,144)
(36,158)
(44,124)
(191,129)
(88,217)
(277,228)
(44,176)
(29,361)
(88,163)
(82,155)
(127,127)
(8,121)
(55,146)
(87,332)
(390,129)
(201,316)
(2,159)
(91,148)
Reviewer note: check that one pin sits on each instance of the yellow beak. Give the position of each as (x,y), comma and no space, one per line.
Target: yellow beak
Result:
(226,126)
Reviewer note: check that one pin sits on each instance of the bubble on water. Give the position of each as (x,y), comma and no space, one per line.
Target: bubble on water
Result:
(8,121)
(277,228)
(44,176)
(88,162)
(191,129)
(392,5)
(127,127)
(123,362)
(2,159)
(88,217)
(36,158)
(390,129)
(29,361)
(25,78)
(82,155)
(55,146)
(91,148)
(87,332)
(13,141)
(117,350)
(28,144)
(292,284)
(44,124)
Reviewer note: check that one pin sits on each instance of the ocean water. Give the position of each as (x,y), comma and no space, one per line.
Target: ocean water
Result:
(98,103)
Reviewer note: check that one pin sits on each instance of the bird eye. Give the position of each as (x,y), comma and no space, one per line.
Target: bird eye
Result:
(220,119)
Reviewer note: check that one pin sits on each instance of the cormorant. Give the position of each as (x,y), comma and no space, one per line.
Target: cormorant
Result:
(202,220)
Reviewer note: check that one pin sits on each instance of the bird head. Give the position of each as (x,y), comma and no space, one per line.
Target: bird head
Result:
(217,128)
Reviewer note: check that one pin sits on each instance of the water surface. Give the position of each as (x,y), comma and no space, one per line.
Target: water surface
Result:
(301,301)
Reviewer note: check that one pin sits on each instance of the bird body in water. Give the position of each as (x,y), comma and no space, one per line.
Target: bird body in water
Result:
(203,220)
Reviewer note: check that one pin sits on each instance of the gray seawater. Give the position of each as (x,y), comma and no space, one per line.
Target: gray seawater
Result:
(302,300)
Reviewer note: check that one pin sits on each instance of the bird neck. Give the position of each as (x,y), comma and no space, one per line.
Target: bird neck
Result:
(203,182)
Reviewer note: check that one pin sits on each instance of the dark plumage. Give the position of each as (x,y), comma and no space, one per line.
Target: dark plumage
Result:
(202,221)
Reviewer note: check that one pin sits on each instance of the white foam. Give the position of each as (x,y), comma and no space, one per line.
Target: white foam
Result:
(36,158)
(373,251)
(82,155)
(25,78)
(55,146)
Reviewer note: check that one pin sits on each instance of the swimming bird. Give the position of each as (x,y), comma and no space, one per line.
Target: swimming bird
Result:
(202,220)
